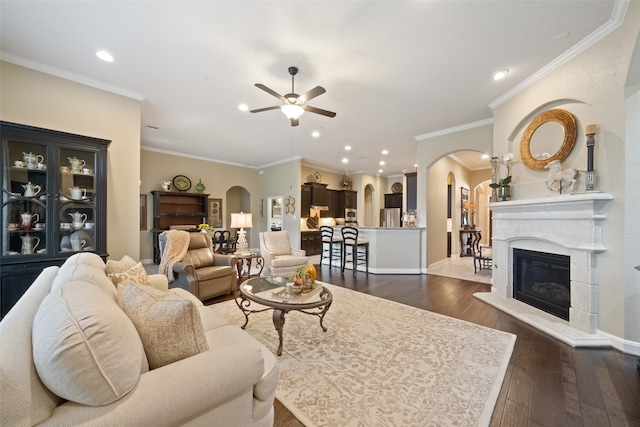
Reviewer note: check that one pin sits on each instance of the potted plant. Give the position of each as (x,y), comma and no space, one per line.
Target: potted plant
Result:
(503,187)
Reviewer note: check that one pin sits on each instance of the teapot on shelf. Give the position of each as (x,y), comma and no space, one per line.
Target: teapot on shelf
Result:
(29,244)
(166,185)
(31,190)
(32,160)
(28,219)
(77,219)
(76,164)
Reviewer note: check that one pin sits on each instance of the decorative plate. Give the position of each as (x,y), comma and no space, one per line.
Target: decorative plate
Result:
(317,177)
(181,182)
(286,201)
(396,187)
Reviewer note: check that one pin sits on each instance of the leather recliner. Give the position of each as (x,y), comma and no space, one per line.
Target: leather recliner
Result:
(203,272)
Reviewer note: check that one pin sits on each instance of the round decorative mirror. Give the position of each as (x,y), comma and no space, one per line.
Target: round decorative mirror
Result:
(550,136)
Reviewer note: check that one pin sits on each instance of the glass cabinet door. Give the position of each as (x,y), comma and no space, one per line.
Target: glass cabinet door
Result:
(76,208)
(25,198)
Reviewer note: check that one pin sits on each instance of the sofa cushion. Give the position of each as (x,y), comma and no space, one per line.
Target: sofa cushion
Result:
(288,261)
(87,267)
(85,349)
(136,274)
(169,326)
(277,242)
(114,266)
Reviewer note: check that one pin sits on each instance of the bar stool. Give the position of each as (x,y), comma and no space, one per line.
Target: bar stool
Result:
(331,245)
(359,249)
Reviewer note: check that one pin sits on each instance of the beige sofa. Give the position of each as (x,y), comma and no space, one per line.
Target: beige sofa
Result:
(280,259)
(69,335)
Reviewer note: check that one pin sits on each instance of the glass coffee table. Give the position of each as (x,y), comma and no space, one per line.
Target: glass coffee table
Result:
(271,293)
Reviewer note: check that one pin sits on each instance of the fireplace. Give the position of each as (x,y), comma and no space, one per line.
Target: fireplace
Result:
(542,280)
(569,227)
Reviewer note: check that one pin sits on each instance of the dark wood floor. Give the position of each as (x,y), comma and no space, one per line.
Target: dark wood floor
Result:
(548,383)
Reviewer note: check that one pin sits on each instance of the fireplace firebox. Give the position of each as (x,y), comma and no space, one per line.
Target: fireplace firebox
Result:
(542,280)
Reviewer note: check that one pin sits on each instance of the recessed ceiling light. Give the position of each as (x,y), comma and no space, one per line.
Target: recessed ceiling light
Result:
(500,74)
(104,55)
(485,156)
(347,147)
(243,107)
(345,160)
(381,163)
(385,152)
(415,165)
(315,134)
(380,171)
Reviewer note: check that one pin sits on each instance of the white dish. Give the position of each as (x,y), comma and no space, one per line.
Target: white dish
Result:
(13,253)
(41,251)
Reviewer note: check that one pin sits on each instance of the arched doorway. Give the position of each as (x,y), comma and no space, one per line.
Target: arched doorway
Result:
(369,217)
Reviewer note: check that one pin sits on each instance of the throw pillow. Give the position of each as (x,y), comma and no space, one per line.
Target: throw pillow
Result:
(85,349)
(136,274)
(169,326)
(121,266)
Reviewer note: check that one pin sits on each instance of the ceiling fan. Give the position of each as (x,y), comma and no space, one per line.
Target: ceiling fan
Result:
(293,105)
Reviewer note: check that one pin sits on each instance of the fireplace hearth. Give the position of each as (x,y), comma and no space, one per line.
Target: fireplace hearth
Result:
(543,280)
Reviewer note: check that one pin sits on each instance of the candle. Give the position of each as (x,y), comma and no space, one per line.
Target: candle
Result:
(590,130)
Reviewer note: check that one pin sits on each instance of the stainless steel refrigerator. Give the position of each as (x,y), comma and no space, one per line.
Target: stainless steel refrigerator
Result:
(390,217)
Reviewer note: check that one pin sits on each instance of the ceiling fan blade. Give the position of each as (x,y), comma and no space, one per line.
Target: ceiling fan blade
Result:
(260,110)
(294,122)
(316,91)
(270,91)
(319,111)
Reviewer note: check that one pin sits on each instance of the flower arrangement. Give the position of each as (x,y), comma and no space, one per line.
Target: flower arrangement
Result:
(346,182)
(508,162)
(204,228)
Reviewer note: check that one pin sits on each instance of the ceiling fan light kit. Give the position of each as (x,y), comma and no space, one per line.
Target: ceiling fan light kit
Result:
(293,105)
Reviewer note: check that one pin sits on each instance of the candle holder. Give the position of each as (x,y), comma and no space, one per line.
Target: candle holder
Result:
(590,175)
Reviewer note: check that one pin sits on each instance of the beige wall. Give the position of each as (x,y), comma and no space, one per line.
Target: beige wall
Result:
(592,87)
(432,195)
(37,99)
(218,178)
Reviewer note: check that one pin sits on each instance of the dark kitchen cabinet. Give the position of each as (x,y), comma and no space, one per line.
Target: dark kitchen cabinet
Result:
(54,203)
(393,200)
(305,200)
(347,199)
(412,191)
(318,194)
(332,202)
(311,242)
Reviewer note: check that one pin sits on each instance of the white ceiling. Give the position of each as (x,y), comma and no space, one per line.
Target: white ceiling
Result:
(393,70)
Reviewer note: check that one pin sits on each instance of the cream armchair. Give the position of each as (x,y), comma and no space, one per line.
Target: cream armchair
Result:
(280,259)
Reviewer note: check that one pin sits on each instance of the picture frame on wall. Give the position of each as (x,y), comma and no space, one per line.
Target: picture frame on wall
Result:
(143,212)
(464,207)
(215,213)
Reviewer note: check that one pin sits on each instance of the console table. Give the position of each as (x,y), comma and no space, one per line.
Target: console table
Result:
(467,237)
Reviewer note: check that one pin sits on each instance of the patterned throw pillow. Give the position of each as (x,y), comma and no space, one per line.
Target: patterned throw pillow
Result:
(169,325)
(121,266)
(136,274)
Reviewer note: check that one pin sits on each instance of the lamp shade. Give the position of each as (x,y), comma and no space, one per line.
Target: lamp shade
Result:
(292,111)
(241,220)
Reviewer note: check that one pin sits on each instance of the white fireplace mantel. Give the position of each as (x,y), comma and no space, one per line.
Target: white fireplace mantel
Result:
(561,224)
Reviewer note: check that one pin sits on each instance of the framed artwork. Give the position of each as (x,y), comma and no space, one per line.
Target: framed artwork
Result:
(464,207)
(215,213)
(143,212)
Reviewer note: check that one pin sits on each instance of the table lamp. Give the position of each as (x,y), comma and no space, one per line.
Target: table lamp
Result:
(241,220)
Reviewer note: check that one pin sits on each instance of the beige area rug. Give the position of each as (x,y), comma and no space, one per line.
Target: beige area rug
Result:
(382,363)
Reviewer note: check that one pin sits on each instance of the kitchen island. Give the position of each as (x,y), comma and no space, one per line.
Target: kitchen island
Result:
(392,250)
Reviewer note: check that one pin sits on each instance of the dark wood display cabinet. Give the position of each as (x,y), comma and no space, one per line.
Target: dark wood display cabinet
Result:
(54,203)
(172,209)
